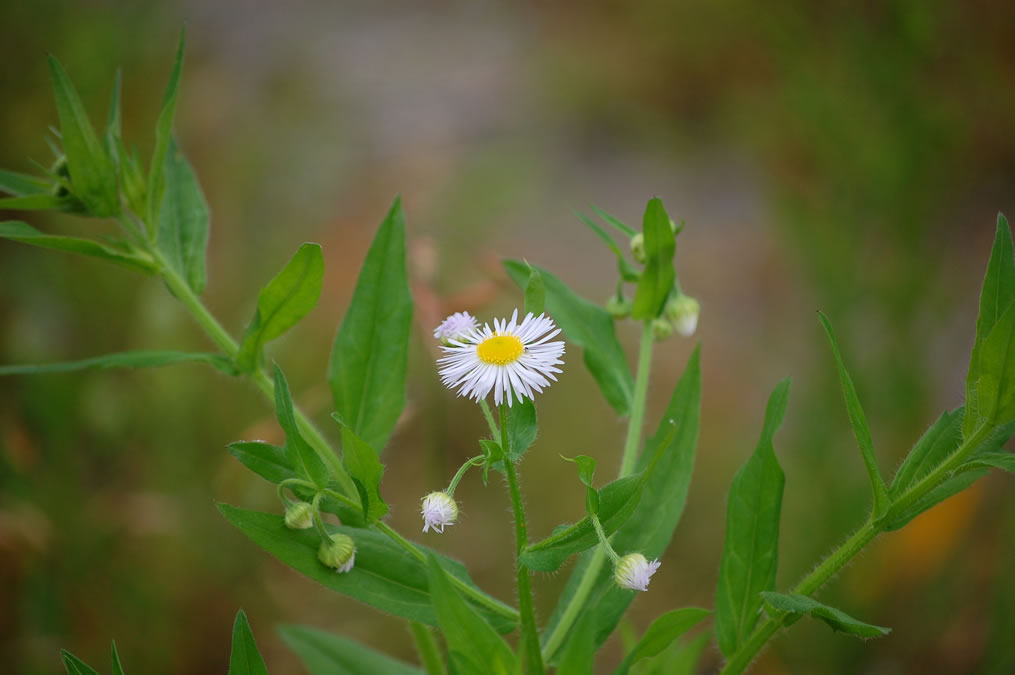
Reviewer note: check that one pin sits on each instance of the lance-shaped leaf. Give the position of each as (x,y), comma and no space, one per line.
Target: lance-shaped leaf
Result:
(535,292)
(385,575)
(626,270)
(244,659)
(366,471)
(26,234)
(268,461)
(135,359)
(163,134)
(111,137)
(614,221)
(369,357)
(117,666)
(473,645)
(991,460)
(860,428)
(657,278)
(590,327)
(184,220)
(323,653)
(934,447)
(300,454)
(74,665)
(750,552)
(580,653)
(282,303)
(661,633)
(995,390)
(838,620)
(22,185)
(93,180)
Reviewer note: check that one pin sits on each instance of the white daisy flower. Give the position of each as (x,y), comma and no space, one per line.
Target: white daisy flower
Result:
(511,359)
(455,327)
(439,509)
(634,571)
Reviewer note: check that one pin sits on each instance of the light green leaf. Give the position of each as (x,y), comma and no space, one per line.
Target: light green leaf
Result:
(366,471)
(282,303)
(658,276)
(385,575)
(579,656)
(21,185)
(934,447)
(244,658)
(163,135)
(995,390)
(680,659)
(590,327)
(523,428)
(750,552)
(183,220)
(473,645)
(74,665)
(39,202)
(93,180)
(535,293)
(837,619)
(135,359)
(26,234)
(323,653)
(661,633)
(860,428)
(300,454)
(369,358)
(267,461)
(613,220)
(996,296)
(586,468)
(626,270)
(117,666)
(991,460)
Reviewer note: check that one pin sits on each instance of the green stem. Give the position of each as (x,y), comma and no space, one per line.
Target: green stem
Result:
(747,652)
(315,507)
(604,541)
(426,646)
(490,421)
(461,473)
(627,463)
(530,633)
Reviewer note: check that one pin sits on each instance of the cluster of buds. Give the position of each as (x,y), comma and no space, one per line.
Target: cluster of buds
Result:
(338,550)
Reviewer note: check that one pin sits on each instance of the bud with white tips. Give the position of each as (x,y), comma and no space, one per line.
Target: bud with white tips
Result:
(458,326)
(633,571)
(683,311)
(638,247)
(299,516)
(439,509)
(339,552)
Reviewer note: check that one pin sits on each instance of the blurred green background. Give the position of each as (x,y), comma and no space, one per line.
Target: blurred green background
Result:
(833,156)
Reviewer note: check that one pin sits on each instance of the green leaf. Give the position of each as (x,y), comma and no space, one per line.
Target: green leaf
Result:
(111,138)
(590,327)
(39,202)
(626,270)
(267,461)
(750,552)
(522,427)
(948,488)
(135,359)
(325,654)
(995,390)
(613,220)
(369,358)
(617,501)
(934,447)
(21,185)
(300,454)
(680,659)
(385,575)
(183,220)
(26,234)
(282,303)
(535,293)
(991,460)
(586,468)
(74,665)
(661,633)
(163,136)
(996,296)
(650,528)
(117,666)
(860,428)
(580,651)
(244,658)
(366,471)
(93,179)
(473,645)
(837,619)
(657,278)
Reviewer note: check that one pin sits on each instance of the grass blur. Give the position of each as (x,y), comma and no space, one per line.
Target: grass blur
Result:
(835,157)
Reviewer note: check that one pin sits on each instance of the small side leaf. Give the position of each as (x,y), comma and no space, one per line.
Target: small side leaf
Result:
(134,359)
(26,234)
(299,452)
(323,653)
(661,633)
(992,460)
(184,220)
(535,292)
(268,461)
(995,390)
(934,447)
(74,665)
(163,135)
(21,185)
(658,276)
(614,221)
(837,619)
(117,666)
(366,471)
(244,658)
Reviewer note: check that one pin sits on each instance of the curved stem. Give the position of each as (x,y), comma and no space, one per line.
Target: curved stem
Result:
(461,473)
(604,541)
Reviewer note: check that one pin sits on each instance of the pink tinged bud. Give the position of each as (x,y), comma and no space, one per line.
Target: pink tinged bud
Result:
(634,571)
(439,509)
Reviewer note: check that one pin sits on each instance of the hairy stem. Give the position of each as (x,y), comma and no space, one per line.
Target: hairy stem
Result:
(426,646)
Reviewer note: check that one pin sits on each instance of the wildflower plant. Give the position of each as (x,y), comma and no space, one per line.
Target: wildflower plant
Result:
(330,525)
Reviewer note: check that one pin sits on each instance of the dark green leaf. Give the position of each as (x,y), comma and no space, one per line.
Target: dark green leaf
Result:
(385,576)
(369,357)
(535,293)
(579,656)
(838,620)
(750,552)
(282,303)
(934,447)
(21,185)
(473,645)
(136,359)
(93,179)
(366,470)
(859,422)
(163,135)
(325,654)
(657,278)
(267,461)
(183,220)
(995,390)
(522,427)
(661,633)
(244,658)
(590,327)
(996,296)
(613,220)
(26,234)
(117,666)
(74,665)
(300,454)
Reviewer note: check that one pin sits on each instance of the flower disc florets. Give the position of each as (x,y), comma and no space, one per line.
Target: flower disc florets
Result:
(456,327)
(439,509)
(634,571)
(339,553)
(513,360)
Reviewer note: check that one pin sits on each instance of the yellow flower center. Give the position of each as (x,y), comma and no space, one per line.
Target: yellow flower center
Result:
(500,350)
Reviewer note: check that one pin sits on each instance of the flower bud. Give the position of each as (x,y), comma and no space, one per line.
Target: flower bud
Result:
(439,509)
(634,571)
(661,329)
(619,307)
(299,516)
(638,247)
(458,326)
(683,311)
(339,552)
